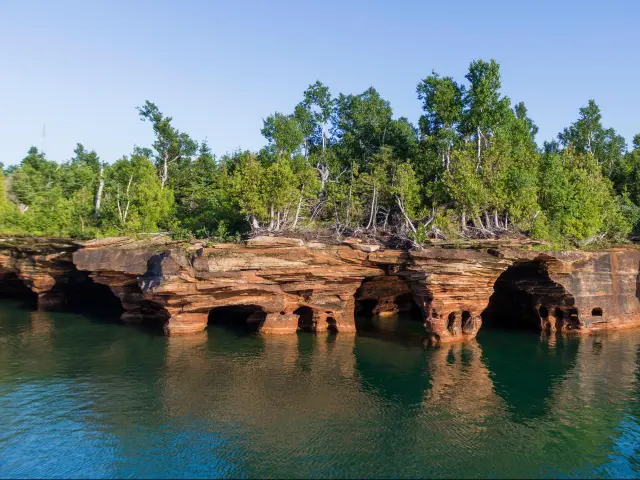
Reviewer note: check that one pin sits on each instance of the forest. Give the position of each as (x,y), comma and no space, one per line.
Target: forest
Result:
(343,165)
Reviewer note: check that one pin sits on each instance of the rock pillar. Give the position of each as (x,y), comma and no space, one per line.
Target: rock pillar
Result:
(186,323)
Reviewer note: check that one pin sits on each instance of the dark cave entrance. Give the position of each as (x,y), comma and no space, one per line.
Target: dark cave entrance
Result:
(305,319)
(365,307)
(11,286)
(85,296)
(385,296)
(242,319)
(332,325)
(524,298)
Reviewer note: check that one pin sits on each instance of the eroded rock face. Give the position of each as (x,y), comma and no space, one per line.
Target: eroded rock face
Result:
(283,285)
(43,265)
(569,292)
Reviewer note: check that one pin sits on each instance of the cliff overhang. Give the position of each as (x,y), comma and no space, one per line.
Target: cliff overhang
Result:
(283,285)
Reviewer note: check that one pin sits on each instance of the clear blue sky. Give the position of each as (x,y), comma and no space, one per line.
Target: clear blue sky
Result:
(219,67)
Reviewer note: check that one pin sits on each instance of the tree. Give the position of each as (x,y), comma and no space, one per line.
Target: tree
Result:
(284,134)
(485,107)
(442,102)
(588,136)
(578,200)
(135,200)
(314,114)
(173,149)
(35,176)
(320,104)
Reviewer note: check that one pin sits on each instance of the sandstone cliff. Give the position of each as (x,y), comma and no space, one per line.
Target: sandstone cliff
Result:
(283,285)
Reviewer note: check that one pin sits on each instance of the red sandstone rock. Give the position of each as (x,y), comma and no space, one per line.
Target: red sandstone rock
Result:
(283,284)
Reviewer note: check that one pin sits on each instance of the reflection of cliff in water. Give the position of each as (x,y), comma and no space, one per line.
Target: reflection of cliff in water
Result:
(391,370)
(525,368)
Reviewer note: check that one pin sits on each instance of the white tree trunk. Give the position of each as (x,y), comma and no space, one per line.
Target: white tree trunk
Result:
(271,217)
(478,135)
(406,217)
(295,220)
(373,206)
(96,210)
(165,168)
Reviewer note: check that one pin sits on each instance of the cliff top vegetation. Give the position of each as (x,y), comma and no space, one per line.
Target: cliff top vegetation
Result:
(342,165)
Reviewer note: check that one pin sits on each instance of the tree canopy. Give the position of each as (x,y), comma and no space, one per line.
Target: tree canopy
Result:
(343,163)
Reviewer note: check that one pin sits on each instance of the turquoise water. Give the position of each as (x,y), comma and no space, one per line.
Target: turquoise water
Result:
(82,397)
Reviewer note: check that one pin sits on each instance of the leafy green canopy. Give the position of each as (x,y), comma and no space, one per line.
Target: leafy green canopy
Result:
(470,168)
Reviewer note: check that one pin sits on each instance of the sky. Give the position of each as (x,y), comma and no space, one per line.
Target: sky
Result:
(75,71)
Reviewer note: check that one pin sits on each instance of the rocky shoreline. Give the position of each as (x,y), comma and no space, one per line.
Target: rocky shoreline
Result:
(282,285)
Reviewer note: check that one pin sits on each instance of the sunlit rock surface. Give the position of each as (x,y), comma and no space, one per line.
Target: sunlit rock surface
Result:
(282,285)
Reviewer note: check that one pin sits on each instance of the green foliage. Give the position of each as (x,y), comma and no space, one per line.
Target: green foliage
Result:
(472,168)
(134,200)
(578,200)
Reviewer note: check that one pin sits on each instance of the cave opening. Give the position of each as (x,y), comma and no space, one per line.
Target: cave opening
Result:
(407,306)
(366,307)
(11,286)
(596,312)
(466,315)
(305,319)
(332,325)
(241,319)
(523,297)
(385,296)
(451,321)
(85,296)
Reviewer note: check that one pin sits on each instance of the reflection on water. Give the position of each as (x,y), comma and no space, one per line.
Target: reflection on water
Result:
(87,397)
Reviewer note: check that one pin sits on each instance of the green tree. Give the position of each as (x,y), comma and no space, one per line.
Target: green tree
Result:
(135,200)
(486,109)
(578,200)
(172,149)
(587,135)
(284,134)
(442,102)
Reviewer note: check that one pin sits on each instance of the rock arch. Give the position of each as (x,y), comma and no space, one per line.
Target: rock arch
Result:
(384,295)
(245,318)
(83,294)
(525,297)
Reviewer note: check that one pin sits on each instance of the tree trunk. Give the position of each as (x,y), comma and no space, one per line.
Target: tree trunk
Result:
(373,207)
(324,141)
(348,216)
(406,217)
(295,220)
(463,220)
(253,221)
(271,217)
(486,219)
(495,219)
(96,210)
(479,148)
(165,168)
(126,210)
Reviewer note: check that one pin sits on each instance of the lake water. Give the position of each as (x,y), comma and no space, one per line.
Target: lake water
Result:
(82,397)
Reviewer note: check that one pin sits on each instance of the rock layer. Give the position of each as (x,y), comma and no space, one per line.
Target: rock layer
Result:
(284,285)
